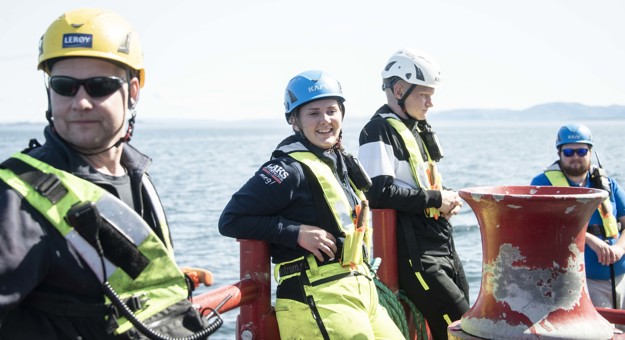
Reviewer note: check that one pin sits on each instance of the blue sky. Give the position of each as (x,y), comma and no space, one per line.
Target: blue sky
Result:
(231,60)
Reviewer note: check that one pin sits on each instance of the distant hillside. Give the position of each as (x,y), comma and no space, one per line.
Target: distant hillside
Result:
(543,112)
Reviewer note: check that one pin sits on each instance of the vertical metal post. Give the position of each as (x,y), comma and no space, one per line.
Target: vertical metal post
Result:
(385,245)
(257,320)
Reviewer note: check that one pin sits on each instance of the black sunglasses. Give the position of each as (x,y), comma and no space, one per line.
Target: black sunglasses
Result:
(571,152)
(95,86)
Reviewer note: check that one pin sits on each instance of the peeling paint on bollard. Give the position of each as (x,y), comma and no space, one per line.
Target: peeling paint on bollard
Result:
(533,276)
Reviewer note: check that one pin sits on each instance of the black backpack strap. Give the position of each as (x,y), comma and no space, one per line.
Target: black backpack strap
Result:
(117,248)
(48,185)
(32,144)
(599,179)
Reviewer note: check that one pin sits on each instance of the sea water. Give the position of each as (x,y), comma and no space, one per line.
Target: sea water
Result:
(197,166)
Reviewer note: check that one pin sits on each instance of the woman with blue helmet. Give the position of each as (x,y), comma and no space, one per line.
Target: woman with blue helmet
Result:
(303,202)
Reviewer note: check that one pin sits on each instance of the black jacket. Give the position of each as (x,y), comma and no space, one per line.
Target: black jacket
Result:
(43,283)
(278,199)
(385,158)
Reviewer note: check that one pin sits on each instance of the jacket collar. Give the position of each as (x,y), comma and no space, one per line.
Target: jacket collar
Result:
(58,154)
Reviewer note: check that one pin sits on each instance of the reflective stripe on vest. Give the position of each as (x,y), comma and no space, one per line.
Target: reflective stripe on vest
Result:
(333,192)
(160,212)
(161,282)
(424,173)
(557,178)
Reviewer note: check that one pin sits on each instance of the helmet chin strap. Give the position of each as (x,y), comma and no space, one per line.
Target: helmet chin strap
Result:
(401,102)
(299,131)
(131,129)
(339,144)
(49,110)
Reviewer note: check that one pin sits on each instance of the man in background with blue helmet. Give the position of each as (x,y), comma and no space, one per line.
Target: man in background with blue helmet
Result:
(605,263)
(399,150)
(303,202)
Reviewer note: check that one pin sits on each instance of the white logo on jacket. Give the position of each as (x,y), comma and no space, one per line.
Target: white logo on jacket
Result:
(276,172)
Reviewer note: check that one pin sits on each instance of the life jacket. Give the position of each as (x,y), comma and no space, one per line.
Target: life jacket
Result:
(337,202)
(425,173)
(557,178)
(140,267)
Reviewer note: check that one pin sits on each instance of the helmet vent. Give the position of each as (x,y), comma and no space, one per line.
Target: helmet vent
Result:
(419,73)
(125,47)
(389,65)
(292,98)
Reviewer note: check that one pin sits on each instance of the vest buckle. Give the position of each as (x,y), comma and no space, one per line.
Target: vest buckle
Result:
(49,185)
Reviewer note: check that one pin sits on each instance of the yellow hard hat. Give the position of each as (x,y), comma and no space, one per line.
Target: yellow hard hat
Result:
(92,33)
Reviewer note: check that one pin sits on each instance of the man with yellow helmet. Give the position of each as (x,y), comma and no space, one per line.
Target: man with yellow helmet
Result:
(94,35)
(85,249)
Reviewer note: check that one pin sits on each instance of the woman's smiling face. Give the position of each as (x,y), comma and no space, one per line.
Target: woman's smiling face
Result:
(321,122)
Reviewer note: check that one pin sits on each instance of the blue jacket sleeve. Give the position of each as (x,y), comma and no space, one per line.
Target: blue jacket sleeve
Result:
(257,210)
(541,179)
(619,198)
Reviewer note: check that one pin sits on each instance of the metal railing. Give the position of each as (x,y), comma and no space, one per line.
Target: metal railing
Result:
(252,294)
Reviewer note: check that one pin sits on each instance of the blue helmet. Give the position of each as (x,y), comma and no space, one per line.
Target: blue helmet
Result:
(308,86)
(574,133)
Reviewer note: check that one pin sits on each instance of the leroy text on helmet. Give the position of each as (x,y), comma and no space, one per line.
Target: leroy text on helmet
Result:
(77,40)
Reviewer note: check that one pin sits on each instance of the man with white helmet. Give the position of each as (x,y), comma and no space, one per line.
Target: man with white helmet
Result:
(85,249)
(605,246)
(399,151)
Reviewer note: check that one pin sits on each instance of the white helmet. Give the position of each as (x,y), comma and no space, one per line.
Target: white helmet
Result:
(415,67)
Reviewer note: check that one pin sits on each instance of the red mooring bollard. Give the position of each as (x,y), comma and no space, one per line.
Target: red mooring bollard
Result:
(533,277)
